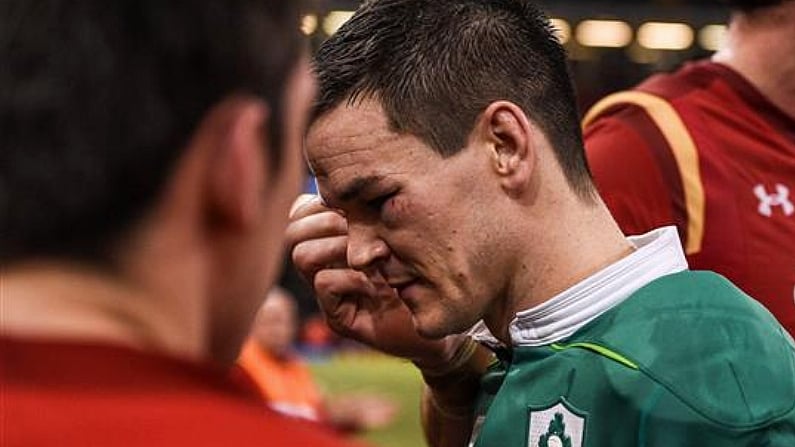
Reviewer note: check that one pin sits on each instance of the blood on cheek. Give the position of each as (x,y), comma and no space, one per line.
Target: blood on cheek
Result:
(394,209)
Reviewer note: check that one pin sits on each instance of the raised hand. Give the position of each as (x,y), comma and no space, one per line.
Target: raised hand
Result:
(356,305)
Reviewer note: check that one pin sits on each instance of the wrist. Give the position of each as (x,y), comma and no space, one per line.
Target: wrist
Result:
(454,358)
(458,378)
(453,388)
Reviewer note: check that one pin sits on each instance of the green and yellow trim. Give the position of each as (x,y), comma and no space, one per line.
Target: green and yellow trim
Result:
(599,349)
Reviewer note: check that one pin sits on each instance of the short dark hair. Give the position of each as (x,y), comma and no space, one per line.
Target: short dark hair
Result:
(436,65)
(98,99)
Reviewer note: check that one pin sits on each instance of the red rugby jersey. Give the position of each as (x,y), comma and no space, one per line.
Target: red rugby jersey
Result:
(731,199)
(61,394)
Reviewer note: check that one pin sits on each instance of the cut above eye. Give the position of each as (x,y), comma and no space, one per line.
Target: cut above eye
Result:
(378,202)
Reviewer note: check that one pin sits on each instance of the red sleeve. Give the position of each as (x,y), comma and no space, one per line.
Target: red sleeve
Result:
(627,157)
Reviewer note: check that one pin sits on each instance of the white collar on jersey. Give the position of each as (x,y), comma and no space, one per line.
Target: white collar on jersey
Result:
(658,253)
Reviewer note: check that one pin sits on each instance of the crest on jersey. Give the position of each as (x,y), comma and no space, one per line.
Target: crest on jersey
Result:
(557,425)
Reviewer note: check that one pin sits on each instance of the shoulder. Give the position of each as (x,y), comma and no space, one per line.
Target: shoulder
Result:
(633,168)
(109,395)
(709,345)
(234,424)
(629,110)
(684,86)
(205,418)
(627,138)
(698,293)
(208,414)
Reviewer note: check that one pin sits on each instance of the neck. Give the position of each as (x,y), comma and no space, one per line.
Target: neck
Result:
(760,46)
(71,303)
(586,239)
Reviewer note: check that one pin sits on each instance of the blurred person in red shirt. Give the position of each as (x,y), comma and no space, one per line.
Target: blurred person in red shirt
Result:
(710,148)
(150,152)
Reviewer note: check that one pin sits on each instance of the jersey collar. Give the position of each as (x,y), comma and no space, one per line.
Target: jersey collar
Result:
(658,253)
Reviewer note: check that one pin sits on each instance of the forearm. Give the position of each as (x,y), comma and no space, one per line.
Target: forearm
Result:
(445,427)
(449,397)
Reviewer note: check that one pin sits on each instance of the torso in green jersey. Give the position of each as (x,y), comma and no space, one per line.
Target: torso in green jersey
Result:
(687,360)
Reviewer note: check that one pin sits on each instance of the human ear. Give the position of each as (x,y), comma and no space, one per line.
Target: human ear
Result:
(238,170)
(509,136)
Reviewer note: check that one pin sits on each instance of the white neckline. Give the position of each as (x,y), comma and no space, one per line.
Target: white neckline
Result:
(658,253)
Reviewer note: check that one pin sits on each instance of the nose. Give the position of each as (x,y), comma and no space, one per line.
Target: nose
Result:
(365,247)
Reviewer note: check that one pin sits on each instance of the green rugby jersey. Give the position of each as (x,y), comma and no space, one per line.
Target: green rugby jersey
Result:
(687,360)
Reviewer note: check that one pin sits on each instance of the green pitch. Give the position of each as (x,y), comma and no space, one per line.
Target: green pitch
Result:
(384,375)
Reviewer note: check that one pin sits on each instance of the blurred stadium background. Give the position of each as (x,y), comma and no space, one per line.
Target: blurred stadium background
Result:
(612,45)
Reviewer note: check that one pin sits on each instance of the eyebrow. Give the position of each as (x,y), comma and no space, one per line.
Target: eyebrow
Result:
(359,184)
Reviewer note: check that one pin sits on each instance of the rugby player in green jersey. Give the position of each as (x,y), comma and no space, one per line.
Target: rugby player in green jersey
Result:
(457,226)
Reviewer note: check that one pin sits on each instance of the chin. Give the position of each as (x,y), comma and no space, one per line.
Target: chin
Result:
(431,328)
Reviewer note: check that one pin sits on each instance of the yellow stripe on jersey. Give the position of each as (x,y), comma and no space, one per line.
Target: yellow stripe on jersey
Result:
(599,349)
(682,146)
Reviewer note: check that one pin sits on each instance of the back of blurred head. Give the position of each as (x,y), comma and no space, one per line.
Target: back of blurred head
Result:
(100,98)
(134,130)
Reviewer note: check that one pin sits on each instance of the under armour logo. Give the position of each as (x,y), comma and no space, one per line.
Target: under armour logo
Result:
(768,201)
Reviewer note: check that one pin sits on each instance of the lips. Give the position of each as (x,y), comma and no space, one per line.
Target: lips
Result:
(401,286)
(407,291)
(402,281)
(398,281)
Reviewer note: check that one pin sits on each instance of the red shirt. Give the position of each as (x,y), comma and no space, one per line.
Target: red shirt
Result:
(745,163)
(62,394)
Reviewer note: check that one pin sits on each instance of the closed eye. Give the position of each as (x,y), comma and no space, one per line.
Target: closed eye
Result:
(377,203)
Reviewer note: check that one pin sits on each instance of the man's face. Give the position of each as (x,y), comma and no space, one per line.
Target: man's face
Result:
(414,218)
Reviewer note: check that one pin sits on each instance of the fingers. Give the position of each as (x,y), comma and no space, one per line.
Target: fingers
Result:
(316,237)
(305,205)
(314,255)
(338,292)
(376,411)
(334,285)
(319,241)
(363,410)
(323,223)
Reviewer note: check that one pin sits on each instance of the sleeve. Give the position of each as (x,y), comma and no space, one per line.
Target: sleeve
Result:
(627,157)
(670,422)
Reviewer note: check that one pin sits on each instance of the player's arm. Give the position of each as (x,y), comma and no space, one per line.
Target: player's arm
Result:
(631,164)
(450,394)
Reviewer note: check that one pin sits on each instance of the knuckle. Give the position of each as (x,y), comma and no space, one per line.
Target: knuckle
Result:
(323,284)
(331,222)
(304,258)
(290,237)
